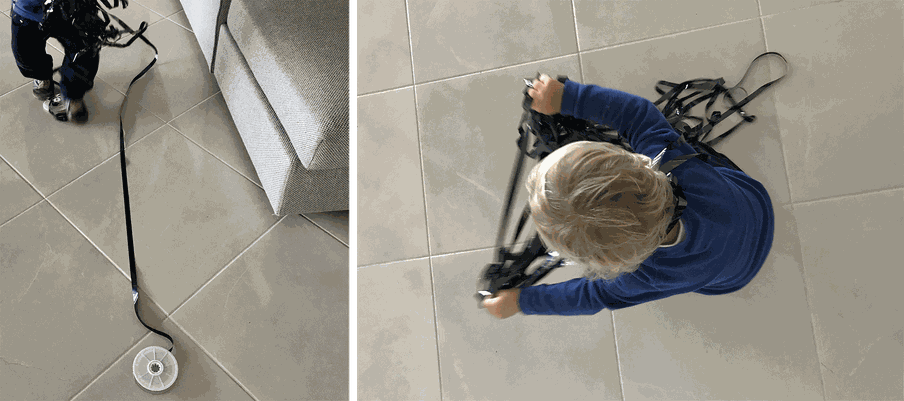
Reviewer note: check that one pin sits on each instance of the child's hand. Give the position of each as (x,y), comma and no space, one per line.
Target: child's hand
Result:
(503,303)
(547,95)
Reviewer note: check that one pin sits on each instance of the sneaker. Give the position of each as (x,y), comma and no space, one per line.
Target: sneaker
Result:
(76,110)
(43,89)
(57,107)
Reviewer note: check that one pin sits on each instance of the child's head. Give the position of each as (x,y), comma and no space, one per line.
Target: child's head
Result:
(600,206)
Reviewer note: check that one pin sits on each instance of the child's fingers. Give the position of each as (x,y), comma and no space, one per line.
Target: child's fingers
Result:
(540,98)
(492,305)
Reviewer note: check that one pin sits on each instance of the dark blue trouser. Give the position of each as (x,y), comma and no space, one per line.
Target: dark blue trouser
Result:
(29,42)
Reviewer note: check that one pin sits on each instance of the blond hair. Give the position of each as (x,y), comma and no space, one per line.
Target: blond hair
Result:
(601,206)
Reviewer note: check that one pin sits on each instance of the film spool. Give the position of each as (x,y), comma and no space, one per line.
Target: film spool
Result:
(155,369)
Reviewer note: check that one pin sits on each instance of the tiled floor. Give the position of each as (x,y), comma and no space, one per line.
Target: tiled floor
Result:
(255,314)
(439,93)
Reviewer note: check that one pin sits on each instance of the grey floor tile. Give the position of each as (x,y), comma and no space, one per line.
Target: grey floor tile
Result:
(522,357)
(755,343)
(397,356)
(843,102)
(779,6)
(199,377)
(50,153)
(178,81)
(165,8)
(67,312)
(384,53)
(336,223)
(468,129)
(608,23)
(391,223)
(840,102)
(452,38)
(277,317)
(755,147)
(211,126)
(181,19)
(15,194)
(133,16)
(191,215)
(852,272)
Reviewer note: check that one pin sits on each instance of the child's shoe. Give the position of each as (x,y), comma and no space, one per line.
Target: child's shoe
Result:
(57,107)
(77,111)
(43,89)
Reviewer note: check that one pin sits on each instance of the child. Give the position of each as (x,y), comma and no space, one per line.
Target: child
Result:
(29,39)
(608,209)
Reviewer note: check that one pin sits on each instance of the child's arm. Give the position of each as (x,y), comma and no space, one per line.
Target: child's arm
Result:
(635,118)
(581,296)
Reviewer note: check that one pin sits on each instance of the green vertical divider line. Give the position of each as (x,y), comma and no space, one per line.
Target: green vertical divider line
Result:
(353,337)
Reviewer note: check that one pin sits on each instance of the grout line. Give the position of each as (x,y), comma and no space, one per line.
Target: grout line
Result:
(763,26)
(23,177)
(420,151)
(621,380)
(21,213)
(194,107)
(394,262)
(803,274)
(128,276)
(47,199)
(579,53)
(128,146)
(669,35)
(115,155)
(800,8)
(163,17)
(410,42)
(324,230)
(43,198)
(384,91)
(389,262)
(554,57)
(439,364)
(215,156)
(149,9)
(850,195)
(108,368)
(214,359)
(577,39)
(170,19)
(83,174)
(519,64)
(226,266)
(781,143)
(30,81)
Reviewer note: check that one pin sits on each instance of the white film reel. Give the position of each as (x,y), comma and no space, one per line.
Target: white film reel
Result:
(155,369)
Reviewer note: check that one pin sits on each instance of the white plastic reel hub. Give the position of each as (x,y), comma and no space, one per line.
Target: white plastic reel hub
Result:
(155,369)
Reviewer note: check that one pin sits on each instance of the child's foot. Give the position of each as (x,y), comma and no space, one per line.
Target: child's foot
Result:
(77,111)
(57,107)
(43,89)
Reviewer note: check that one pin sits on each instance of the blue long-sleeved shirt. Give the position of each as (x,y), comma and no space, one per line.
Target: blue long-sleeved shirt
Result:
(728,220)
(31,9)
